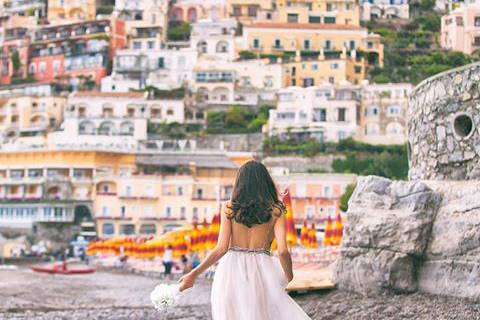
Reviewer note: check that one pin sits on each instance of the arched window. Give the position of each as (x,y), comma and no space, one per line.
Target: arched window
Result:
(106,128)
(202,47)
(86,127)
(127,128)
(222,46)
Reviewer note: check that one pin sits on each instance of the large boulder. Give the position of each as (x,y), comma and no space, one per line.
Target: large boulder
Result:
(386,234)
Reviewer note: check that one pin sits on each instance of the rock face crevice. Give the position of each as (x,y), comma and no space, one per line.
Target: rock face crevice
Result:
(407,236)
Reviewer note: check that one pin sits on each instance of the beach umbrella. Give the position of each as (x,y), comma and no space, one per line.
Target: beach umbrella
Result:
(214,231)
(328,236)
(195,237)
(337,230)
(312,237)
(290,224)
(204,235)
(304,235)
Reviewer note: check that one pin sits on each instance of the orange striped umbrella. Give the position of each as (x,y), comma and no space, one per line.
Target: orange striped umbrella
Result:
(195,237)
(328,236)
(291,232)
(312,237)
(204,235)
(304,235)
(337,230)
(214,231)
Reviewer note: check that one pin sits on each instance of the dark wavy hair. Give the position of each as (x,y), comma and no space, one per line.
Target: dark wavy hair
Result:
(254,196)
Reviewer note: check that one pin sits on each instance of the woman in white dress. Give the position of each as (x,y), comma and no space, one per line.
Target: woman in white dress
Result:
(249,282)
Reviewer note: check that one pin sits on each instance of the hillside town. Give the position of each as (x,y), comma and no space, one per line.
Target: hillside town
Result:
(128,119)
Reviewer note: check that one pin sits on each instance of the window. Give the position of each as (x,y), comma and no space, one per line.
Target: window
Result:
(459,21)
(334,66)
(168,212)
(128,191)
(309,212)
(256,43)
(331,80)
(394,111)
(308,82)
(148,229)
(151,44)
(320,115)
(42,66)
(306,44)
(341,135)
(328,45)
(330,20)
(342,114)
(105,211)
(292,18)
(314,19)
(371,111)
(358,69)
(123,211)
(314,66)
(161,62)
(183,212)
(277,44)
(476,41)
(137,45)
(252,11)
(352,44)
(195,213)
(327,191)
(32,68)
(180,191)
(127,229)
(237,11)
(477,21)
(199,193)
(369,44)
(108,229)
(330,7)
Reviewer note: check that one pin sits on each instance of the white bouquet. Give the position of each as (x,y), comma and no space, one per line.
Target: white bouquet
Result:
(164,296)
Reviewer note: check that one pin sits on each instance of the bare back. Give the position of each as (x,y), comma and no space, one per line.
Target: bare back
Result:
(259,236)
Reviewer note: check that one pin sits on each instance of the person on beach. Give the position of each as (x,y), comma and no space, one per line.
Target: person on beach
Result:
(168,262)
(249,282)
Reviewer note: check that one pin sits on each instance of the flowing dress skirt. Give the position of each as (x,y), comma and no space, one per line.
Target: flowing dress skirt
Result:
(250,285)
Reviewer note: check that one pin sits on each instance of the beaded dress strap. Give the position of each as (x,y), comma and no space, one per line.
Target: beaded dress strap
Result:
(247,250)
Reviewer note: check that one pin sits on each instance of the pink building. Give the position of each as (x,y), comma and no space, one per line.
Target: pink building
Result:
(461,29)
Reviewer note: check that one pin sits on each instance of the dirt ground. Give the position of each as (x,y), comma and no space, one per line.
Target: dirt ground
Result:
(106,295)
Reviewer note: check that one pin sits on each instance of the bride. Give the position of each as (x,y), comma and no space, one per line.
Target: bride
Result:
(249,282)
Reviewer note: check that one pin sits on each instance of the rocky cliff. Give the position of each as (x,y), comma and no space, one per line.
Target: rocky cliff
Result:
(407,236)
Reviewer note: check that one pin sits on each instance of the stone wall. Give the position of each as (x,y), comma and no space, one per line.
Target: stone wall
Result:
(321,163)
(406,236)
(443,121)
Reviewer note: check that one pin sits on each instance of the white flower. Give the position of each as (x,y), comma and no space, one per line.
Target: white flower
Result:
(164,296)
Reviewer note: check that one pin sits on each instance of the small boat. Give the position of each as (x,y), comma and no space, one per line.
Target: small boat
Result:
(61,268)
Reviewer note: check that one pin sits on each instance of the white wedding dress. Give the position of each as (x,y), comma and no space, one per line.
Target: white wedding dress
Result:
(249,284)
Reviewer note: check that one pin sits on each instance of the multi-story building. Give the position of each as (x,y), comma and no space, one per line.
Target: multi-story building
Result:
(244,82)
(30,116)
(32,8)
(314,196)
(460,29)
(250,10)
(165,191)
(215,39)
(15,37)
(344,12)
(385,9)
(194,10)
(383,116)
(145,21)
(125,193)
(325,113)
(277,38)
(165,69)
(76,51)
(72,9)
(333,67)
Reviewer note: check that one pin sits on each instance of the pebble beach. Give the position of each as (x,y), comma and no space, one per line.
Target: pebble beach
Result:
(114,295)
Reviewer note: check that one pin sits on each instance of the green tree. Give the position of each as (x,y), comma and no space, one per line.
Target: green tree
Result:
(346,197)
(15,59)
(179,31)
(235,117)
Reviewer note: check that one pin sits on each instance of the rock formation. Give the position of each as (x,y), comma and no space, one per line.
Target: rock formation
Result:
(423,235)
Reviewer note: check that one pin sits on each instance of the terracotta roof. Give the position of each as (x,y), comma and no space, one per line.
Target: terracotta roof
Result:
(313,26)
(82,94)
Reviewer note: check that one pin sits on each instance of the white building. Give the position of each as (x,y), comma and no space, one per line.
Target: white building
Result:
(384,9)
(383,115)
(325,113)
(165,69)
(214,38)
(236,82)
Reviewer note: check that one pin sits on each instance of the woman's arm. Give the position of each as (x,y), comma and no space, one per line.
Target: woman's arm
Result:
(220,249)
(283,253)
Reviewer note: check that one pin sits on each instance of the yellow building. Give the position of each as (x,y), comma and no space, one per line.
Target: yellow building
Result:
(250,10)
(29,115)
(316,70)
(125,193)
(277,38)
(72,9)
(318,12)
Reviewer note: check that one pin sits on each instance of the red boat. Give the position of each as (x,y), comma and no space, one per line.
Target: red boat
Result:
(61,268)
